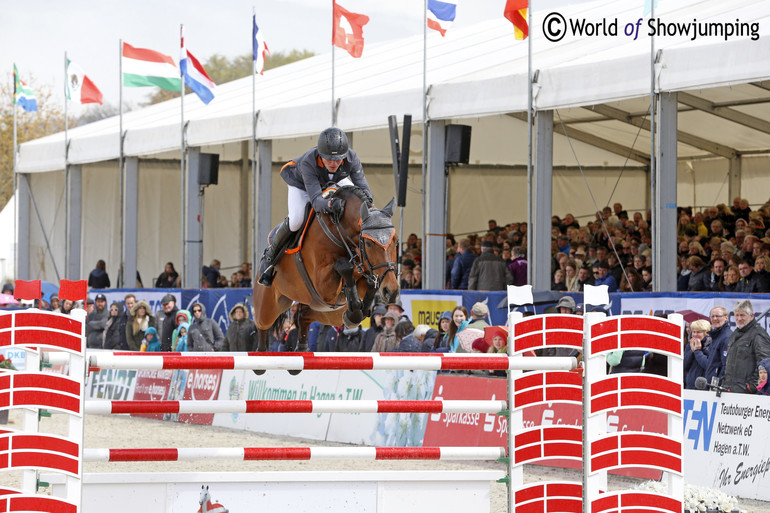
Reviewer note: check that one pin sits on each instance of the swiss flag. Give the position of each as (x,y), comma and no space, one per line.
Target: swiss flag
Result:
(27,290)
(351,40)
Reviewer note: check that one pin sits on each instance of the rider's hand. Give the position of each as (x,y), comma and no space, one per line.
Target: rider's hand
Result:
(336,206)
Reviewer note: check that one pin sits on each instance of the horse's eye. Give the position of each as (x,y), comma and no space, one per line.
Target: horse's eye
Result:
(368,244)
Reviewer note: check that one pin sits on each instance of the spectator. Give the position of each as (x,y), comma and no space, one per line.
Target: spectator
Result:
(716,276)
(98,278)
(699,274)
(417,277)
(518,266)
(646,279)
(463,261)
(571,276)
(212,276)
(96,323)
(169,278)
(55,304)
(397,309)
(605,278)
(89,305)
(375,328)
(442,342)
(138,322)
(631,281)
(412,343)
(181,317)
(749,281)
(349,340)
(748,345)
(150,344)
(386,340)
(497,337)
(242,333)
(559,282)
(696,353)
(129,301)
(479,314)
(488,271)
(762,368)
(66,307)
(7,288)
(428,340)
(181,337)
(204,334)
(246,275)
(720,335)
(459,322)
(566,305)
(166,321)
(585,277)
(404,329)
(114,336)
(731,279)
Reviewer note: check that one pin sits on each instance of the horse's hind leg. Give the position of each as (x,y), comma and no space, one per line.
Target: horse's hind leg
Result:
(268,306)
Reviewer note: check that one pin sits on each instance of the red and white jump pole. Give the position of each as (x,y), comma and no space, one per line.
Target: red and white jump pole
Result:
(342,406)
(295,453)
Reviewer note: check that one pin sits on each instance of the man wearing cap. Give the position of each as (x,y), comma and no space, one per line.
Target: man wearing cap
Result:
(375,328)
(165,319)
(566,305)
(489,271)
(479,313)
(605,278)
(96,322)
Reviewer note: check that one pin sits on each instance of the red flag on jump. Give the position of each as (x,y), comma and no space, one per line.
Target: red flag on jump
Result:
(73,290)
(27,290)
(351,40)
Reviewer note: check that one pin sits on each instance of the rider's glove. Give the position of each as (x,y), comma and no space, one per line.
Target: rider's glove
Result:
(336,206)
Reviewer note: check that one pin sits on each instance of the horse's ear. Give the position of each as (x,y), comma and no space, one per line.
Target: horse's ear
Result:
(364,211)
(389,208)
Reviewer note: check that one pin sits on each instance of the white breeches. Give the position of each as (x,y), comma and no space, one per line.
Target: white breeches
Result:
(297,200)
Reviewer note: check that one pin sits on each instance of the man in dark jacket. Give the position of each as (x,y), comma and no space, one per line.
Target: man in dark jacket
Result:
(461,270)
(489,271)
(375,328)
(720,335)
(716,276)
(96,322)
(699,275)
(166,321)
(748,345)
(518,266)
(750,281)
(242,333)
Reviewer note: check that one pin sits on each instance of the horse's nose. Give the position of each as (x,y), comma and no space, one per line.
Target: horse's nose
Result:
(387,294)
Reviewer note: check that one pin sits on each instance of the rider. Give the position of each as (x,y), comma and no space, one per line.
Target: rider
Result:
(331,161)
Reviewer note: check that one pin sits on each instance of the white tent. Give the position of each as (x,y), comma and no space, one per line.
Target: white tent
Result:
(599,88)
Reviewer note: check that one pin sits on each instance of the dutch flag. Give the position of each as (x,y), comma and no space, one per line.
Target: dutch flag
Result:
(195,77)
(441,14)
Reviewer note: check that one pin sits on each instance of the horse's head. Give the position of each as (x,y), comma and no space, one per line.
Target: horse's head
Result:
(379,248)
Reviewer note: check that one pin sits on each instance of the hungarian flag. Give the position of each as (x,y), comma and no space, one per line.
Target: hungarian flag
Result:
(348,31)
(143,67)
(80,89)
(516,13)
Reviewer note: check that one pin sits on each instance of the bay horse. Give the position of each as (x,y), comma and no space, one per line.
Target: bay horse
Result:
(335,273)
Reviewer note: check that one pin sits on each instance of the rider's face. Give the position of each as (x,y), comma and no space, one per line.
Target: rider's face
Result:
(331,165)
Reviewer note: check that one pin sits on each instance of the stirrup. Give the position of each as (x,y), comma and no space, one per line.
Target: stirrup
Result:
(267,277)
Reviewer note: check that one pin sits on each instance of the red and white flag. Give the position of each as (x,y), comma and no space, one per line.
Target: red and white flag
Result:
(80,88)
(348,31)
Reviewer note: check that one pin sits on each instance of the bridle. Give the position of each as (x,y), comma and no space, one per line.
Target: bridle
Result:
(358,257)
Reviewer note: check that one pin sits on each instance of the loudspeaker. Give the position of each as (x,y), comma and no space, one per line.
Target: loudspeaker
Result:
(208,169)
(403,173)
(457,149)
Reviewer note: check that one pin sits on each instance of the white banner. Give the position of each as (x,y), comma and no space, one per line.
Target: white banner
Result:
(726,443)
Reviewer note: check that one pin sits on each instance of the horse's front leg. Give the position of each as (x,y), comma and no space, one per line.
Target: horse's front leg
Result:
(345,269)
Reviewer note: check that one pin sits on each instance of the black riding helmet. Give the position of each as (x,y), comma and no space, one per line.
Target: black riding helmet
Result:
(333,144)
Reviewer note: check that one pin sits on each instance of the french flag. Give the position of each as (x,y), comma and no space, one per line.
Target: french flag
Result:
(195,77)
(441,14)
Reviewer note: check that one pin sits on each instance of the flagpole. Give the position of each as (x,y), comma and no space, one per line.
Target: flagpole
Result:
(253,140)
(530,108)
(121,280)
(182,181)
(334,114)
(653,160)
(425,127)
(15,185)
(66,177)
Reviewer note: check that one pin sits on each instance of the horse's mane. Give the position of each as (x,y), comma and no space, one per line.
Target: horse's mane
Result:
(346,191)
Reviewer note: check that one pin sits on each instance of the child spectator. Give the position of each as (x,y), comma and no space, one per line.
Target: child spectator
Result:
(181,338)
(151,344)
(762,368)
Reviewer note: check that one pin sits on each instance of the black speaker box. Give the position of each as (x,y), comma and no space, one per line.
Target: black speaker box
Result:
(457,149)
(208,171)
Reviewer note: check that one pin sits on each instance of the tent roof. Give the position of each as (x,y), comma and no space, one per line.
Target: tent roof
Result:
(601,86)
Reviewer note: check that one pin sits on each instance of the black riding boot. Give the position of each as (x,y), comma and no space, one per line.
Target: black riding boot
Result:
(273,253)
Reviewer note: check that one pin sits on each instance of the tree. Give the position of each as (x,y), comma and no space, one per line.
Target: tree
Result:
(222,70)
(49,119)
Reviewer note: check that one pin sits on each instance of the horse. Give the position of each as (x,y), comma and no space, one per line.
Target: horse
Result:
(335,273)
(206,505)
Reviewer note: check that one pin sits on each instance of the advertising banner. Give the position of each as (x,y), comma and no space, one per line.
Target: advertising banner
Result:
(726,443)
(111,385)
(177,385)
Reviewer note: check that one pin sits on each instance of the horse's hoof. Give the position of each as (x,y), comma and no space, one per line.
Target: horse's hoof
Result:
(258,372)
(294,372)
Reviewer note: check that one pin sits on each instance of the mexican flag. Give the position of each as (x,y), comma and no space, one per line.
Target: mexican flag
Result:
(143,67)
(80,89)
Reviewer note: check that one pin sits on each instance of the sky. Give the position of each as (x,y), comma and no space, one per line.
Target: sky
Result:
(36,33)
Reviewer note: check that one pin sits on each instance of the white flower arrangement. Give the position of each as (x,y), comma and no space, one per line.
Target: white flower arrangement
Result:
(698,498)
(404,429)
